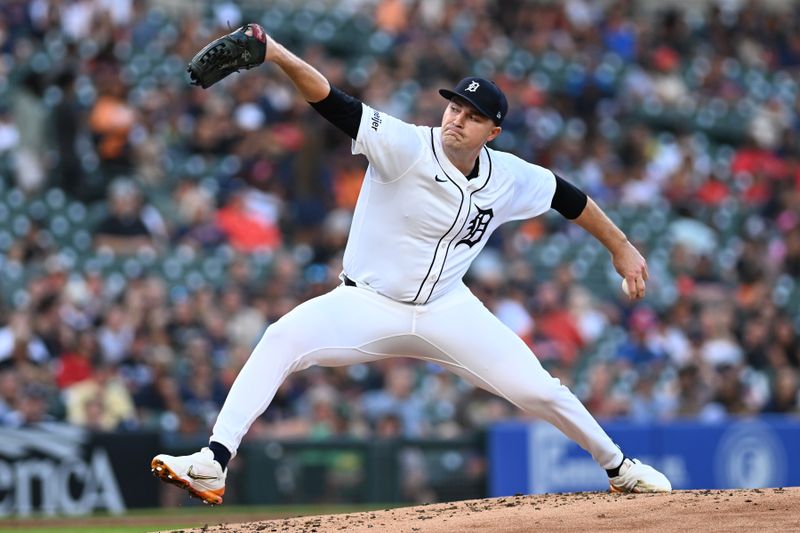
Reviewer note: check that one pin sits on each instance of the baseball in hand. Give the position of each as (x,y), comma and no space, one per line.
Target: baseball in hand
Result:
(625,288)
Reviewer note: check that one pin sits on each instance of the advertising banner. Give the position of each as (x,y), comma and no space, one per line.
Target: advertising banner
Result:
(747,453)
(57,469)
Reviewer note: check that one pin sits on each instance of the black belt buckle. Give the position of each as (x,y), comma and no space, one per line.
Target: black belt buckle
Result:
(349,282)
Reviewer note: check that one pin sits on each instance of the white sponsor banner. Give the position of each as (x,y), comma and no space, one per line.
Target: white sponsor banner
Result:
(50,469)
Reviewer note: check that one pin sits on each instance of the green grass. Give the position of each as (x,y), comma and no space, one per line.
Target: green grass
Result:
(98,529)
(160,519)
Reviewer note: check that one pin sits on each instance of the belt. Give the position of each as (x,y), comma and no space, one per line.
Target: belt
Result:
(349,282)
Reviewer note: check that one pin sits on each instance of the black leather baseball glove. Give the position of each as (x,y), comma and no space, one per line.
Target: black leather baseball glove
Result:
(228,54)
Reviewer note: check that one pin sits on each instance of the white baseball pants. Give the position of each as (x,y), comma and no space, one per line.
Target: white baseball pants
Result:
(356,325)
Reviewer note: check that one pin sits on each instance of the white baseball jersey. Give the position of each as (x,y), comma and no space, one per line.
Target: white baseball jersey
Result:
(419,222)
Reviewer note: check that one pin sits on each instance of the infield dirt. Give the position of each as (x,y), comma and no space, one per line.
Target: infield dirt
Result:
(707,511)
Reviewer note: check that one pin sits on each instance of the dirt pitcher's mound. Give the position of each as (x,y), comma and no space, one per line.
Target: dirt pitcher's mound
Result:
(717,510)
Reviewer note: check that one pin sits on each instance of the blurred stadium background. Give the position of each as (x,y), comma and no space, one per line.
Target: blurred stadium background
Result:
(150,231)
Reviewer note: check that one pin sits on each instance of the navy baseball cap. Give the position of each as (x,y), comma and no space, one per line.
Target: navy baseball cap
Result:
(484,94)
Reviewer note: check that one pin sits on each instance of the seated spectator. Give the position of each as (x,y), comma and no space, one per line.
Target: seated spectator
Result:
(32,406)
(601,399)
(693,393)
(201,391)
(197,227)
(720,347)
(325,420)
(787,343)
(129,227)
(398,398)
(247,230)
(159,402)
(637,350)
(732,393)
(19,343)
(75,363)
(30,116)
(647,404)
(111,120)
(30,247)
(115,336)
(101,402)
(785,393)
(183,324)
(554,322)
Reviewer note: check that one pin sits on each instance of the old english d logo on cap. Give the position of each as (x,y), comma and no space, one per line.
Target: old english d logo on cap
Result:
(483,94)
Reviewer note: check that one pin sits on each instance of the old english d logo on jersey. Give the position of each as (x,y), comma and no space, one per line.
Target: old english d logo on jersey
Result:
(477,227)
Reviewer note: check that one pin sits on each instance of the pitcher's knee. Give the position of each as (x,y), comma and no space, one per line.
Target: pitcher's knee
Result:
(290,334)
(539,398)
(280,346)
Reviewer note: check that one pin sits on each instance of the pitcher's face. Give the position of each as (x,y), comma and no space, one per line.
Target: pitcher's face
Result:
(466,128)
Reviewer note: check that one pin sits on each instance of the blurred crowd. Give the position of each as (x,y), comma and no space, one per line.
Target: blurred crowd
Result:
(687,117)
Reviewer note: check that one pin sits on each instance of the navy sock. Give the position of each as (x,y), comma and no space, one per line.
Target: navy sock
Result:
(221,454)
(614,472)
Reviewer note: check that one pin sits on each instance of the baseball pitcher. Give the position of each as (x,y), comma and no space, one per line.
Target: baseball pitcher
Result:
(430,199)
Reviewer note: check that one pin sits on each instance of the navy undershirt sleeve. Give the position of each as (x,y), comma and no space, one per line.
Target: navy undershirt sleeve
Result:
(341,110)
(568,200)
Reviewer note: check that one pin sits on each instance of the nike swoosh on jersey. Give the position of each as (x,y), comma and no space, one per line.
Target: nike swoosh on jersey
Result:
(436,177)
(198,477)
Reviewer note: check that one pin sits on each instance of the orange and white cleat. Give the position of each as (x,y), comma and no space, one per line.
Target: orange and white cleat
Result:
(198,473)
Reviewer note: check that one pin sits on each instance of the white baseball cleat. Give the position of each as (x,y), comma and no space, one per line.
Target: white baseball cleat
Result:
(635,476)
(198,473)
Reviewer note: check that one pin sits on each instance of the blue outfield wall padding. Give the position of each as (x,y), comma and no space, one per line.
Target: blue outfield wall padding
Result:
(507,448)
(735,453)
